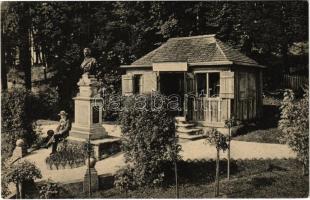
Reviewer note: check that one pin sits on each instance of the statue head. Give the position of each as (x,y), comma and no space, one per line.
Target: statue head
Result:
(87,52)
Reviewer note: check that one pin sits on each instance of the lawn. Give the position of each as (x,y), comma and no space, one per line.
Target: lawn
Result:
(250,179)
(270,135)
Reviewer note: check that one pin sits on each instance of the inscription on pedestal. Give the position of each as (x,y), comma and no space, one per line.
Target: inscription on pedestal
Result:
(80,116)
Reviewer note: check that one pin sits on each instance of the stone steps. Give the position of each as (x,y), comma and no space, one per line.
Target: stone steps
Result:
(190,137)
(191,131)
(186,130)
(187,125)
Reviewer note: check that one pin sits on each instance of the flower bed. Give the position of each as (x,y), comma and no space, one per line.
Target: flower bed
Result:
(68,155)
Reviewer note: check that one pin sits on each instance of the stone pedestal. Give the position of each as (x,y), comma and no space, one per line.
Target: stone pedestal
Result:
(19,151)
(88,111)
(94,180)
(88,117)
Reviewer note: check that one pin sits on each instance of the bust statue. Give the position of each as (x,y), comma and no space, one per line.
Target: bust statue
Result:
(89,63)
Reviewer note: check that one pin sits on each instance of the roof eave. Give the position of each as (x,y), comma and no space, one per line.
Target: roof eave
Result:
(211,63)
(250,64)
(133,66)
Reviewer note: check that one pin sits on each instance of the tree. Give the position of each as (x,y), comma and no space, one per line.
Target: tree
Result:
(21,172)
(148,138)
(229,124)
(294,124)
(17,23)
(214,137)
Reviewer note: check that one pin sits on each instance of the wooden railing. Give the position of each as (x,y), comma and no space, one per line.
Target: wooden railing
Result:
(209,110)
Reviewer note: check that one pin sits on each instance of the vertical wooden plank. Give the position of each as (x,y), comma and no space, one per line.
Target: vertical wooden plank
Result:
(209,114)
(219,110)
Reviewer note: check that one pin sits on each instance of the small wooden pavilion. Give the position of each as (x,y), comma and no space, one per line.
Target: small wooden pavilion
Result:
(214,80)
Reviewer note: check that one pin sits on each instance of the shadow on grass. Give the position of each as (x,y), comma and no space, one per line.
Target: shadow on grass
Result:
(259,182)
(198,171)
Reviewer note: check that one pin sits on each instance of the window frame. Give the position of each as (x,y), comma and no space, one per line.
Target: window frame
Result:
(140,84)
(207,73)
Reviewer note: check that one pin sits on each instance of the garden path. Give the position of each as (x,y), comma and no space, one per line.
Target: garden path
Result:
(197,149)
(191,150)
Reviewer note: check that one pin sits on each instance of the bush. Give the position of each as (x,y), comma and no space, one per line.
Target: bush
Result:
(294,125)
(124,180)
(49,190)
(19,108)
(148,138)
(15,122)
(23,171)
(13,104)
(70,154)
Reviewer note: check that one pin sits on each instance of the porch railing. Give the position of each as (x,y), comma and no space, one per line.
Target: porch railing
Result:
(209,110)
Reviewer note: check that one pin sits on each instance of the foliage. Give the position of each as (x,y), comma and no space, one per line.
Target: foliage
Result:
(49,190)
(15,123)
(4,182)
(44,104)
(214,137)
(124,179)
(129,30)
(14,116)
(148,138)
(23,171)
(294,124)
(19,108)
(68,153)
(231,122)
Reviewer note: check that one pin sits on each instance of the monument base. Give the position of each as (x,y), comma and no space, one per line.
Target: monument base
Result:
(93,132)
(100,146)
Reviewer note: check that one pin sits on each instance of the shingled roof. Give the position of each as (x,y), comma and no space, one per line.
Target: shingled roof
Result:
(195,50)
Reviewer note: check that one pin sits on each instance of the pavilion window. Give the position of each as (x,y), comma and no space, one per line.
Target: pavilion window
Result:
(213,84)
(137,84)
(201,84)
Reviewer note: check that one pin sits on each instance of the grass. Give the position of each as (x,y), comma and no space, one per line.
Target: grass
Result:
(270,135)
(249,179)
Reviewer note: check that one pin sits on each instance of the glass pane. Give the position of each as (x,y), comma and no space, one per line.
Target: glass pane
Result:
(214,84)
(201,84)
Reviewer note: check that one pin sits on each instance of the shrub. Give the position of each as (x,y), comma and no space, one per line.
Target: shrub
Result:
(124,180)
(294,124)
(49,190)
(19,108)
(23,171)
(15,122)
(148,138)
(13,104)
(67,153)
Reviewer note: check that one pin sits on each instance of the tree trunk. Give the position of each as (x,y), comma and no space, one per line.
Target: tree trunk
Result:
(228,155)
(24,45)
(21,190)
(4,80)
(17,191)
(217,180)
(176,179)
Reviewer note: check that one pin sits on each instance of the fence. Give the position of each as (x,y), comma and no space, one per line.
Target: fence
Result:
(294,82)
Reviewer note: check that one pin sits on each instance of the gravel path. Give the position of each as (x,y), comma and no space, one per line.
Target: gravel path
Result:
(239,150)
(190,150)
